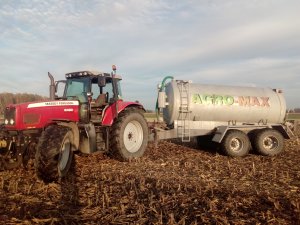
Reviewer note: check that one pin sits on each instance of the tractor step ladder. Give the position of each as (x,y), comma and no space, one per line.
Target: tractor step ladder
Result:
(183,125)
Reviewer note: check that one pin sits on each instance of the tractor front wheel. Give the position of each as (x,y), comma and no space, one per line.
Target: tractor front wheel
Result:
(54,153)
(129,135)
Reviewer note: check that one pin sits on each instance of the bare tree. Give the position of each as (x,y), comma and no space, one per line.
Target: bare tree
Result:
(9,98)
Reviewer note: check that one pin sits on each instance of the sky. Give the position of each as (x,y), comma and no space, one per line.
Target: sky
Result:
(227,42)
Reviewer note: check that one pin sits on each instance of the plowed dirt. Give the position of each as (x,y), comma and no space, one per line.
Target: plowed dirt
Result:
(171,184)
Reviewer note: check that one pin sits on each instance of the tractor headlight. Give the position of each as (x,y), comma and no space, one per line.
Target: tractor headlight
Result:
(10,116)
(11,122)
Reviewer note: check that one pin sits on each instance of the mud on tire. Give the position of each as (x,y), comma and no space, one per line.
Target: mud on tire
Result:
(129,135)
(48,157)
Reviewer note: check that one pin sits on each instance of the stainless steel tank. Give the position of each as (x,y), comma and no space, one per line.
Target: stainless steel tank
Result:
(220,103)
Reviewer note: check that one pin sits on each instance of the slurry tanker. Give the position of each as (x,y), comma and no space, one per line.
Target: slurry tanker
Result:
(236,117)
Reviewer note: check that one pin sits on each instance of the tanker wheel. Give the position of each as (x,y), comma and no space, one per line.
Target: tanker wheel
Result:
(129,135)
(54,153)
(236,143)
(268,142)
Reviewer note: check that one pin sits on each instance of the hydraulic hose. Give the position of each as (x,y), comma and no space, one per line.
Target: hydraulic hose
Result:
(162,88)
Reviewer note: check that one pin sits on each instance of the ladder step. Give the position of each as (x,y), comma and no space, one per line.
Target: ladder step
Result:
(183,125)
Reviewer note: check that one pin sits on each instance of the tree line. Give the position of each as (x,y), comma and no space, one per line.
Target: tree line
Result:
(10,98)
(296,110)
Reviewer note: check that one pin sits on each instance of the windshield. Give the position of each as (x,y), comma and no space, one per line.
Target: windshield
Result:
(77,88)
(107,89)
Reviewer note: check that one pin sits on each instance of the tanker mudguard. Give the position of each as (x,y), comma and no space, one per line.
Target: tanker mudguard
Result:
(282,130)
(111,112)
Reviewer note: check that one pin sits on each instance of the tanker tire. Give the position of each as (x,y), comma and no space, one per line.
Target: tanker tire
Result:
(236,143)
(129,135)
(54,153)
(268,142)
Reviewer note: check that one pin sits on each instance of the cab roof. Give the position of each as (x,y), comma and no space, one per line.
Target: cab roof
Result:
(89,73)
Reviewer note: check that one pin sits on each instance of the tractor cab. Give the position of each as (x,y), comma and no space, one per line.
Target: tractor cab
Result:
(87,85)
(94,90)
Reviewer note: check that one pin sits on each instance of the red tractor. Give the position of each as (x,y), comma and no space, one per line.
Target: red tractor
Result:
(90,116)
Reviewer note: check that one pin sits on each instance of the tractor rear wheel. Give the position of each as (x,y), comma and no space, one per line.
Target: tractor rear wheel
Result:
(268,142)
(54,153)
(129,135)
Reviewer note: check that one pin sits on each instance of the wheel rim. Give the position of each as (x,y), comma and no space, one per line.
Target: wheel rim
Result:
(133,136)
(64,154)
(270,143)
(236,145)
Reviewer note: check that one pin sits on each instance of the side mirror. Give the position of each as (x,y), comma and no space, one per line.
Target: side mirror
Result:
(101,81)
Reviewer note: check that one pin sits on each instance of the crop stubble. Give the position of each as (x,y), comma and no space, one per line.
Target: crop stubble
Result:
(171,184)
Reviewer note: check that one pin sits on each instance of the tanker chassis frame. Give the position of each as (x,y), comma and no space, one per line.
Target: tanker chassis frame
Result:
(236,141)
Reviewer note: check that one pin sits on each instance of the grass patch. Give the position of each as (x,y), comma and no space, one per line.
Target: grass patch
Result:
(293,116)
(150,115)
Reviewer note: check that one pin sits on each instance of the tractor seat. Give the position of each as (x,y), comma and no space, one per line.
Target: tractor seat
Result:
(100,101)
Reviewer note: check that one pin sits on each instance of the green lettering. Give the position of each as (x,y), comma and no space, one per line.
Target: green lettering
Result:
(196,98)
(228,100)
(218,100)
(208,99)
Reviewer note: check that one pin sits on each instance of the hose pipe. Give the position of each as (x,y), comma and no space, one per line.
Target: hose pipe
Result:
(161,88)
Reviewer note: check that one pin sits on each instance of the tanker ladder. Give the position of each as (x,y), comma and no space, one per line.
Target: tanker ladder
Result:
(183,123)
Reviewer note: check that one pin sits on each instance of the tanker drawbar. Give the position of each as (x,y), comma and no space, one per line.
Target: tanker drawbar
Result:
(240,116)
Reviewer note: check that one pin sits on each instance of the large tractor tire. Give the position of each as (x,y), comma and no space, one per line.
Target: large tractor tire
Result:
(268,142)
(236,143)
(54,153)
(129,135)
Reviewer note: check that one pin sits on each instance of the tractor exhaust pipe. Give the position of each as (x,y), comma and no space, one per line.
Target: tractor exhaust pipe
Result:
(51,87)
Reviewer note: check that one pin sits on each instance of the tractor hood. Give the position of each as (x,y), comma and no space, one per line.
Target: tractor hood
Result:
(34,115)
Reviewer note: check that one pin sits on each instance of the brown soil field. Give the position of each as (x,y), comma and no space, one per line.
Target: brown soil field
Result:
(171,184)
